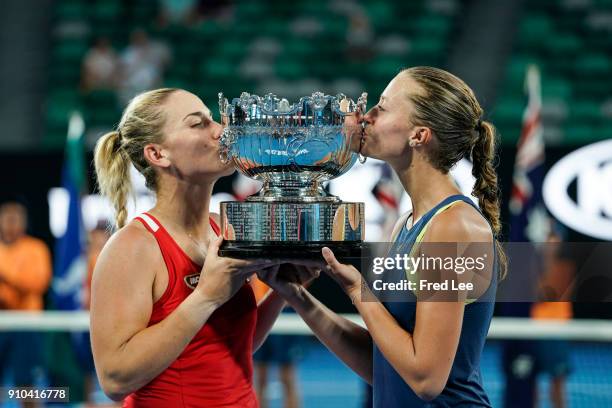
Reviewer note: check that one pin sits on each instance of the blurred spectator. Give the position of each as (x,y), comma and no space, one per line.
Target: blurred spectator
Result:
(97,238)
(177,11)
(556,287)
(25,273)
(281,350)
(25,262)
(359,37)
(142,65)
(100,66)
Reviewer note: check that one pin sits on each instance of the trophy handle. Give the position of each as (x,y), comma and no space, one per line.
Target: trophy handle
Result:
(225,145)
(223,110)
(362,103)
(362,106)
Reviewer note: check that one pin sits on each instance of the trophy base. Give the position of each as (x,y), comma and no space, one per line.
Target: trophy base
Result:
(298,230)
(343,250)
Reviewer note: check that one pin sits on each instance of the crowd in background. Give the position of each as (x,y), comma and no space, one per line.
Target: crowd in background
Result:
(141,64)
(137,68)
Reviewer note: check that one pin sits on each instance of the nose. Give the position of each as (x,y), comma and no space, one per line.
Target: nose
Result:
(218,131)
(370,116)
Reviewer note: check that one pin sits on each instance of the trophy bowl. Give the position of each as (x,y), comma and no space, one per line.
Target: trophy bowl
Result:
(292,149)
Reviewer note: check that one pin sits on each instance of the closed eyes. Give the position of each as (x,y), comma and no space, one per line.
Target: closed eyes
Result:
(205,122)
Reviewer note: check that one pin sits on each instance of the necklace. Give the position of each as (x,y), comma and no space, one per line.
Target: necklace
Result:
(197,243)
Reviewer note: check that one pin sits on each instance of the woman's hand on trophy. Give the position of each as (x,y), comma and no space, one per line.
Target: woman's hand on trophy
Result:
(290,276)
(302,271)
(347,276)
(221,277)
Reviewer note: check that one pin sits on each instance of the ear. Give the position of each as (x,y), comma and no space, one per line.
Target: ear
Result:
(156,155)
(421,136)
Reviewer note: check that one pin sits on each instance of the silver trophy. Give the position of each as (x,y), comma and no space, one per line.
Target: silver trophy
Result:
(292,149)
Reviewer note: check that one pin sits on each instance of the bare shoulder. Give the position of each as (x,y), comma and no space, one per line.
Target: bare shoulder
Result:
(459,223)
(470,236)
(132,252)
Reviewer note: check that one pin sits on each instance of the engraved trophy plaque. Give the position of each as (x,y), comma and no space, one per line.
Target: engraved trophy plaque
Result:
(292,149)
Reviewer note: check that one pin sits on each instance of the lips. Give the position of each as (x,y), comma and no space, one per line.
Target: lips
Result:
(362,139)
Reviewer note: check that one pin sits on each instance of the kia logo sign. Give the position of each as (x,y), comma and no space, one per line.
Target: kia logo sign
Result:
(591,168)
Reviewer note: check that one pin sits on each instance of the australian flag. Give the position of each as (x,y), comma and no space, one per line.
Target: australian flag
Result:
(528,218)
(528,223)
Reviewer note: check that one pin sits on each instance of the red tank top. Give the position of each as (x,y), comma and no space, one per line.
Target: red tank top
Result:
(216,367)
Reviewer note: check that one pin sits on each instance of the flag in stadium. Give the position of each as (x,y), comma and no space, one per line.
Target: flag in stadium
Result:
(70,264)
(528,216)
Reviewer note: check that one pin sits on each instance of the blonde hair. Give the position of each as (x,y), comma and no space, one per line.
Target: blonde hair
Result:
(141,123)
(450,109)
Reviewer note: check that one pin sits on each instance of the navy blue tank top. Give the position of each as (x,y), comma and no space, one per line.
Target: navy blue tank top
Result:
(464,387)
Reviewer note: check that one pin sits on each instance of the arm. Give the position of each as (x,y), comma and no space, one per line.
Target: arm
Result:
(268,309)
(129,354)
(302,272)
(267,313)
(423,358)
(347,340)
(350,342)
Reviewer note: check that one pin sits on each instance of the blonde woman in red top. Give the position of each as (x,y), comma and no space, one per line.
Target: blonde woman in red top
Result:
(173,324)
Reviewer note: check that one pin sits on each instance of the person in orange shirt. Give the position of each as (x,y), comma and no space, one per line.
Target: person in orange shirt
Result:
(25,262)
(25,273)
(556,287)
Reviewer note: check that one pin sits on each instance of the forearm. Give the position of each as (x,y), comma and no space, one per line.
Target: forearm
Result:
(399,348)
(267,313)
(391,339)
(347,340)
(149,352)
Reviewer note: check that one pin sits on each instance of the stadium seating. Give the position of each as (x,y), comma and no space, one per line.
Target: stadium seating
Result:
(292,44)
(570,41)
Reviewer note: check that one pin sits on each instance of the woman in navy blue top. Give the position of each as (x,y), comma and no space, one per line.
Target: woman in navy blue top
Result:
(422,344)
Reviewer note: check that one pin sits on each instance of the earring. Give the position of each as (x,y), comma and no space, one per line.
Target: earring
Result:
(412,143)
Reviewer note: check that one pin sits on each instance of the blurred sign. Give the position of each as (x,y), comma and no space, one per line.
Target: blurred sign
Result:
(357,185)
(590,170)
(96,208)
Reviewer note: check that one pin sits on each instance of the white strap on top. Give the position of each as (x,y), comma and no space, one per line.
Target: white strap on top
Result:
(150,222)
